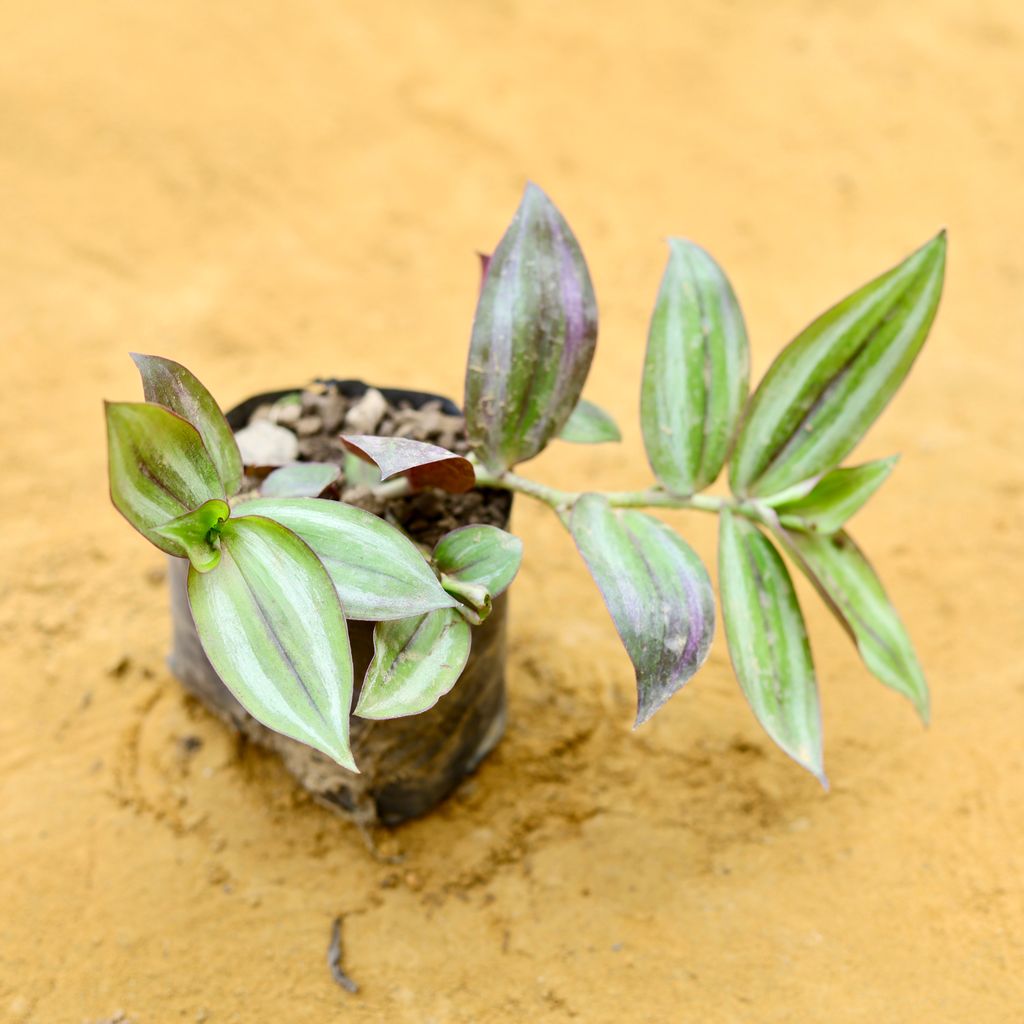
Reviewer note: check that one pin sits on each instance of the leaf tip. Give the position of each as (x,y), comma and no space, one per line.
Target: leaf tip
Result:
(643,715)
(141,360)
(345,759)
(935,249)
(923,707)
(648,705)
(677,244)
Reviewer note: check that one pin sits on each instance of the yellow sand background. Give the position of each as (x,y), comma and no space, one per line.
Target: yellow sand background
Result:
(269,191)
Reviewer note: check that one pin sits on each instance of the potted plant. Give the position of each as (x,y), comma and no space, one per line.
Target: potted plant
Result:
(367,634)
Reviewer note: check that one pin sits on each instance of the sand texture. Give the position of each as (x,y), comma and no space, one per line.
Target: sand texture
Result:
(269,191)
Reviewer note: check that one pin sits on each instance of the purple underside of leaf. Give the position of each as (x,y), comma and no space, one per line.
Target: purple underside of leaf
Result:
(426,465)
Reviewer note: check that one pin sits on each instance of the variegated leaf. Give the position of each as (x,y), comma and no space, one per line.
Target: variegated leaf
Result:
(657,591)
(272,626)
(533,339)
(159,469)
(172,385)
(852,589)
(768,641)
(696,371)
(828,386)
(415,663)
(479,554)
(835,498)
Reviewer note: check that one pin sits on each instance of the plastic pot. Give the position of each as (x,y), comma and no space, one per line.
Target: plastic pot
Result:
(407,765)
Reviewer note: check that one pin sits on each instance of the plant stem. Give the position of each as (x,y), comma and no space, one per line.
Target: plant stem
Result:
(562,501)
(653,497)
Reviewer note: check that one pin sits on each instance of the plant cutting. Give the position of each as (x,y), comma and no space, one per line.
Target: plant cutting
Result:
(281,573)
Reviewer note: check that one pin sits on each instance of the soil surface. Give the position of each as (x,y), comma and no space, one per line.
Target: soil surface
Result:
(273,192)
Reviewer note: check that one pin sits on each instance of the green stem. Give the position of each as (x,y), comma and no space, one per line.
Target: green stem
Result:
(653,497)
(562,501)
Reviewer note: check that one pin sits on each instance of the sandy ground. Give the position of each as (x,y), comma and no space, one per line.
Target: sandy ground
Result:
(268,191)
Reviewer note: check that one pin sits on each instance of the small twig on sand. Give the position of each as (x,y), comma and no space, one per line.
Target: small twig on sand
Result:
(334,959)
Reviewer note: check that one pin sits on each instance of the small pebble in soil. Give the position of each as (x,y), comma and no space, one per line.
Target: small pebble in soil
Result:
(285,413)
(263,443)
(307,426)
(157,576)
(120,667)
(365,415)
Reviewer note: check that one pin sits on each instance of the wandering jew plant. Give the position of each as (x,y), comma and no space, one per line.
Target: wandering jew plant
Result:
(273,579)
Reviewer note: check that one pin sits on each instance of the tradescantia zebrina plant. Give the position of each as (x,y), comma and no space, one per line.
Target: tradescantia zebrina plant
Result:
(272,580)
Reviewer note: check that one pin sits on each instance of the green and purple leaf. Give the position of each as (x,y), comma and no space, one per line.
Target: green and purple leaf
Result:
(853,591)
(696,372)
(533,338)
(170,384)
(272,626)
(159,469)
(300,480)
(835,498)
(198,533)
(415,663)
(589,424)
(481,555)
(377,570)
(476,564)
(828,386)
(657,591)
(425,465)
(768,641)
